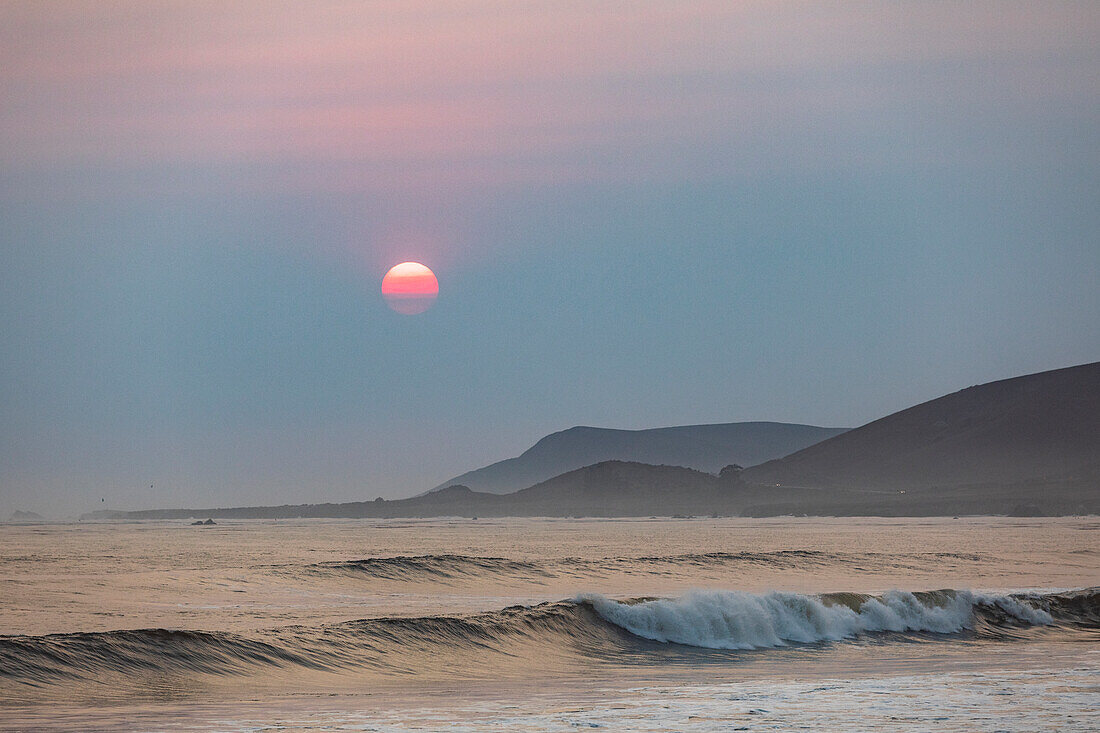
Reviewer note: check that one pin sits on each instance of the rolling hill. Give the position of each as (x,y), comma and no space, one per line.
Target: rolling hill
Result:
(702,447)
(1032,438)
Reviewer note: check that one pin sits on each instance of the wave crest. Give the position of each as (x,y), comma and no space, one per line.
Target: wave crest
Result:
(734,620)
(591,627)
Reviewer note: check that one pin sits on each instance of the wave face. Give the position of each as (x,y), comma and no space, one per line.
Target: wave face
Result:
(590,628)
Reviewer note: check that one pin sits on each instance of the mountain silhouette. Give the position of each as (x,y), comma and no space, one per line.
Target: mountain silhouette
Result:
(703,447)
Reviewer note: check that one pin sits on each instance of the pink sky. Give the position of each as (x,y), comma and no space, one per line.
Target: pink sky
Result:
(421,96)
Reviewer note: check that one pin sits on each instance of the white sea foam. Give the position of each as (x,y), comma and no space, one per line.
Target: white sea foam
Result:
(732,620)
(1015,608)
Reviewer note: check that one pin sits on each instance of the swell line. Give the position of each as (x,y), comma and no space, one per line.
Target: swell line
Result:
(414,568)
(591,627)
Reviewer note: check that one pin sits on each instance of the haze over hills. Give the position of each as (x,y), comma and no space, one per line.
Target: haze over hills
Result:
(702,447)
(1028,445)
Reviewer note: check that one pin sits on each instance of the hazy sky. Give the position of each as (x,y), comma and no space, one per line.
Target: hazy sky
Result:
(640,214)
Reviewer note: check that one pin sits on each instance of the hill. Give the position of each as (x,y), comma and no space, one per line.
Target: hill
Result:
(22,516)
(625,489)
(1032,439)
(702,447)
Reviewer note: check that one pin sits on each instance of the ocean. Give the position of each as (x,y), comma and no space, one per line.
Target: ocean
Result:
(968,624)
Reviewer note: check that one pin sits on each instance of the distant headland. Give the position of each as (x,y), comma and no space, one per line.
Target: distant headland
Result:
(21,516)
(1027,446)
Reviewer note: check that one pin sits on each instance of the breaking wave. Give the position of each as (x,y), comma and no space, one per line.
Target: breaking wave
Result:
(591,627)
(732,620)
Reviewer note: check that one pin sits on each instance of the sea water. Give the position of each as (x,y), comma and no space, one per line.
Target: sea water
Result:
(547,624)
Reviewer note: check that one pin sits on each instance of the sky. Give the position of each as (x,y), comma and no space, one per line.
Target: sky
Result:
(639,214)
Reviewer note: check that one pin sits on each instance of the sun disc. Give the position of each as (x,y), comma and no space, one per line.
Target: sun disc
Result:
(410,288)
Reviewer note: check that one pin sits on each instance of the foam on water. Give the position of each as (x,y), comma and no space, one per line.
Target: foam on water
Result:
(733,620)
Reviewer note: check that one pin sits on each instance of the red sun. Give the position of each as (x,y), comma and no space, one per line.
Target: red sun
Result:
(410,288)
